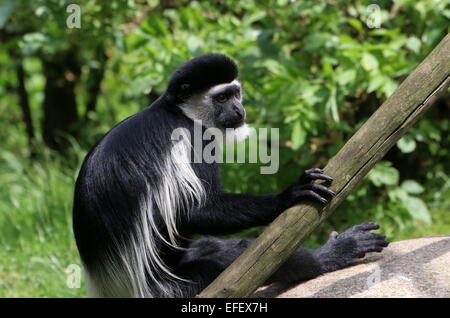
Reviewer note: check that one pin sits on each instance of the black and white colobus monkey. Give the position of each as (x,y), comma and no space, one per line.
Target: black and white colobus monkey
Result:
(138,199)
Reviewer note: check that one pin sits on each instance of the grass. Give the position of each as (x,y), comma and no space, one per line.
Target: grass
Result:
(36,242)
(37,247)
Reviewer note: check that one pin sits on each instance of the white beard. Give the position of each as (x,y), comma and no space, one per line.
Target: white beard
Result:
(237,134)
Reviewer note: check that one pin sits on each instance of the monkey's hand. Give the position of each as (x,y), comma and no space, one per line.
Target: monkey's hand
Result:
(341,249)
(305,189)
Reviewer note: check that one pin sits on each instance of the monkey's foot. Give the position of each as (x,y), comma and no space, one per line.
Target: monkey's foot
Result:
(341,249)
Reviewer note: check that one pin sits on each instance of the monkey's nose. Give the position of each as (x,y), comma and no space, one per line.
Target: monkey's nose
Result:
(240,112)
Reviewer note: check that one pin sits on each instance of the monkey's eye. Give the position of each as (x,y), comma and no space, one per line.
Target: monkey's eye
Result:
(221,98)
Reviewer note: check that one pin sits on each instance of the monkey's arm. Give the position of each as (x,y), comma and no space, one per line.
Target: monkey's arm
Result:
(229,212)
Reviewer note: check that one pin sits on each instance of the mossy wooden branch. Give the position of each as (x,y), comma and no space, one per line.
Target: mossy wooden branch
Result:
(367,146)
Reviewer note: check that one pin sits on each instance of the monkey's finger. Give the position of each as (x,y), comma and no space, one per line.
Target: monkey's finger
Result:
(320,176)
(374,243)
(310,194)
(362,250)
(373,248)
(333,235)
(367,236)
(306,175)
(317,187)
(314,170)
(322,188)
(367,226)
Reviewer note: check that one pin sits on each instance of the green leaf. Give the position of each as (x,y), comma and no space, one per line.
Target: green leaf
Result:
(383,174)
(194,44)
(316,41)
(331,105)
(412,187)
(259,15)
(414,44)
(389,87)
(298,136)
(6,9)
(282,3)
(398,194)
(417,209)
(275,67)
(375,82)
(356,24)
(369,62)
(406,144)
(346,77)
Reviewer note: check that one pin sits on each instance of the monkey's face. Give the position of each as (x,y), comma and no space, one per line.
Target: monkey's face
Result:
(226,100)
(219,107)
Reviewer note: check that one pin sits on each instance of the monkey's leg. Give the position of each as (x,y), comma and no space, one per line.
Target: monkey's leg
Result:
(208,257)
(205,259)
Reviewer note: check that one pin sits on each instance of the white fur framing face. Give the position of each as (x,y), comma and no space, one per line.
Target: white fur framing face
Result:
(202,109)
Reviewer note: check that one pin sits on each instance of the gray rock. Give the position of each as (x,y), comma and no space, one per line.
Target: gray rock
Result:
(411,268)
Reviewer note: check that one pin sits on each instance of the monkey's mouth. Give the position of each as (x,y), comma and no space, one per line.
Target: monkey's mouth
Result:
(238,133)
(234,124)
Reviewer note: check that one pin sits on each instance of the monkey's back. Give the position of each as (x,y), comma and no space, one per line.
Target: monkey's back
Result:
(114,178)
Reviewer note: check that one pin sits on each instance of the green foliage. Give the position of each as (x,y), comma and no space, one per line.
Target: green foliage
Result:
(36,245)
(314,69)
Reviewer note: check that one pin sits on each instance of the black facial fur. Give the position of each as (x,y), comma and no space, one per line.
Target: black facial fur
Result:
(231,113)
(200,74)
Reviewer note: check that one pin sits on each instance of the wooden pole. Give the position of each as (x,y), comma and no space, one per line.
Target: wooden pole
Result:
(367,146)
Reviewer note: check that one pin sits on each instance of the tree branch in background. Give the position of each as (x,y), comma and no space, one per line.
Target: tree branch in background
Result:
(95,79)
(368,145)
(62,72)
(22,94)
(25,104)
